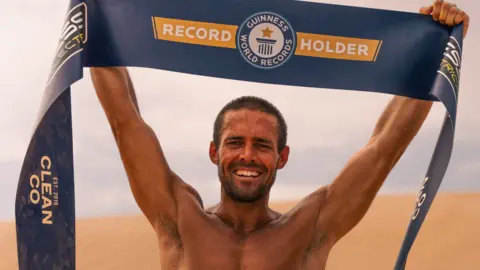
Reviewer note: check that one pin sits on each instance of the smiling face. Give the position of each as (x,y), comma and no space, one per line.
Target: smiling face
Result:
(247,155)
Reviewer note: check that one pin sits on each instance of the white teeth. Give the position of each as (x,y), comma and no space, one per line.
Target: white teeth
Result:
(246,173)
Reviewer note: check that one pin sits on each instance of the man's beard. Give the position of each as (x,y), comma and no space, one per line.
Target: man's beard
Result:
(241,195)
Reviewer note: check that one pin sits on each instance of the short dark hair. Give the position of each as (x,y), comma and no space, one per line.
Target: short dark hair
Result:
(255,104)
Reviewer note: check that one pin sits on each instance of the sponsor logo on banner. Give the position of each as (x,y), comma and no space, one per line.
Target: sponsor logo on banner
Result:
(73,36)
(450,65)
(266,40)
(422,195)
(44,190)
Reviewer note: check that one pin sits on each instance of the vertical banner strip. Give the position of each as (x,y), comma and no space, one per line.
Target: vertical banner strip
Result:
(45,203)
(45,198)
(446,89)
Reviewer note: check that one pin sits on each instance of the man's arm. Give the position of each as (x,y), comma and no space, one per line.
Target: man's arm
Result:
(347,199)
(349,196)
(155,187)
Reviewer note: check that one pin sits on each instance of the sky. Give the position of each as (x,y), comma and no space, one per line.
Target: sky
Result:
(325,127)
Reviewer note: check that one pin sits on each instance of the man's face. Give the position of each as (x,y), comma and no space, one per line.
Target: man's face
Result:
(247,156)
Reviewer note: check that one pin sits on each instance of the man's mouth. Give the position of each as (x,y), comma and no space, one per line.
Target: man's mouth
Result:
(247,173)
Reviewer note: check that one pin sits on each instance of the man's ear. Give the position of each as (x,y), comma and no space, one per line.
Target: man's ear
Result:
(283,159)
(213,153)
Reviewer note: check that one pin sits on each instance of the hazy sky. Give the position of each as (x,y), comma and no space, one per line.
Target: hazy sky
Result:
(325,127)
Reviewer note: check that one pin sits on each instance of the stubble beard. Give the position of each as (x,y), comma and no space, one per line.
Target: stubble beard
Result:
(241,195)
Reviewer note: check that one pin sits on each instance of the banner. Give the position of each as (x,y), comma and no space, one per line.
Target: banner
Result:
(45,199)
(279,42)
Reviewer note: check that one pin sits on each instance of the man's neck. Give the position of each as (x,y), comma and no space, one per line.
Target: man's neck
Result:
(244,218)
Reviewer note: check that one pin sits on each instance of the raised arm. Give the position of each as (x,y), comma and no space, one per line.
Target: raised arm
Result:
(350,195)
(347,199)
(155,187)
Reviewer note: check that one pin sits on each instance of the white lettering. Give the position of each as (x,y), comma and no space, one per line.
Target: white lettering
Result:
(69,30)
(351,48)
(226,36)
(188,32)
(331,47)
(362,49)
(279,58)
(454,56)
(214,34)
(192,32)
(179,30)
(329,50)
(307,44)
(202,33)
(318,48)
(340,48)
(77,19)
(420,199)
(168,29)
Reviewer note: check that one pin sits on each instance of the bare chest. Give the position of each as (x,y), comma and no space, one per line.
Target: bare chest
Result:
(278,247)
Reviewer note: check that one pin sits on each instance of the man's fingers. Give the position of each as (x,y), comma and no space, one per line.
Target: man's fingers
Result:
(450,19)
(444,11)
(426,10)
(437,7)
(462,17)
(447,13)
(466,23)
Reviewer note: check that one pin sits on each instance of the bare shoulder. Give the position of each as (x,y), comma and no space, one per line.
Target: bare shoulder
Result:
(311,205)
(304,215)
(300,223)
(187,194)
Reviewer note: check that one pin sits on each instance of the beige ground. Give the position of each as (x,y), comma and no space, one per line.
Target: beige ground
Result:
(449,239)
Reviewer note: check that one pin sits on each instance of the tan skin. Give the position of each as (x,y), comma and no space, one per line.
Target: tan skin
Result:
(238,235)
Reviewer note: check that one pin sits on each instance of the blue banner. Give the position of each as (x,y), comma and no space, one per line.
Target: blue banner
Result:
(45,199)
(276,42)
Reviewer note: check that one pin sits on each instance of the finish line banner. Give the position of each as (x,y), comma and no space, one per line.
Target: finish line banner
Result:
(279,42)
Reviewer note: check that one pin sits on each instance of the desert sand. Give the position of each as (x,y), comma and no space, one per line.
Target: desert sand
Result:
(448,240)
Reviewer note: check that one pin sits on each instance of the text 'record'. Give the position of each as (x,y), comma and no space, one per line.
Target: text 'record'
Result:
(276,42)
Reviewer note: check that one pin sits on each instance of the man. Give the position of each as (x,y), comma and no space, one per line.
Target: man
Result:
(248,147)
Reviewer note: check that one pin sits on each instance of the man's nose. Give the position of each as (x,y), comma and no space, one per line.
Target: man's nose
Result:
(248,154)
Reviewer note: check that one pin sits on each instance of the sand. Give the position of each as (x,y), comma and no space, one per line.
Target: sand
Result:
(449,239)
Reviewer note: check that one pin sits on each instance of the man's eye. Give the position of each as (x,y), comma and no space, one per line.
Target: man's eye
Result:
(234,143)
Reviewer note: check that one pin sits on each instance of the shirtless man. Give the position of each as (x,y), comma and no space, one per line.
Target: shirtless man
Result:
(248,147)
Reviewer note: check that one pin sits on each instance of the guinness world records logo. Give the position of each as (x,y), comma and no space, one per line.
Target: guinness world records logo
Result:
(266,40)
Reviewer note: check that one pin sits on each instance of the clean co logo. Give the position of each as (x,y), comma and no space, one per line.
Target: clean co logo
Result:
(265,40)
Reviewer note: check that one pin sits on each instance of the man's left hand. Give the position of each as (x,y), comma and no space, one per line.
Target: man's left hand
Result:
(448,14)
